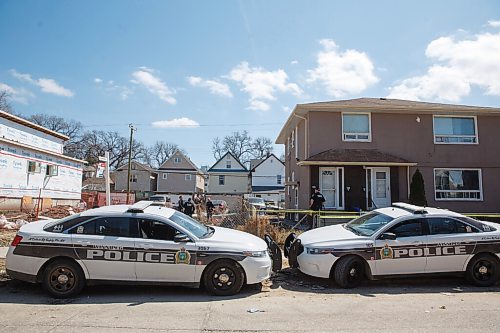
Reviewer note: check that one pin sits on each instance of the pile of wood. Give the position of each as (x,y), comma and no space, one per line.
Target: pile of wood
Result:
(58,212)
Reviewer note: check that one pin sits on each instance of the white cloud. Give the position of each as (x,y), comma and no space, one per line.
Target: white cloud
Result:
(460,64)
(342,73)
(215,87)
(46,85)
(286,109)
(98,80)
(20,95)
(262,85)
(176,123)
(155,85)
(494,24)
(294,62)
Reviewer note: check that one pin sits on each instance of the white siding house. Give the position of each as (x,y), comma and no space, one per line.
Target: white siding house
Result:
(268,179)
(228,176)
(32,165)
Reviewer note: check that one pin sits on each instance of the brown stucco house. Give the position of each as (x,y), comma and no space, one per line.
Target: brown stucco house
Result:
(362,153)
(179,175)
(142,179)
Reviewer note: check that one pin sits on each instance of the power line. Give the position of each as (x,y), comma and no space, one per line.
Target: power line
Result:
(187,126)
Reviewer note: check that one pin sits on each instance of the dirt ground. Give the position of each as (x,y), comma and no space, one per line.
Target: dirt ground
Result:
(6,236)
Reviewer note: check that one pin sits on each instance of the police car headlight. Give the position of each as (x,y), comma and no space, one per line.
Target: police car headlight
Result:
(314,250)
(257,254)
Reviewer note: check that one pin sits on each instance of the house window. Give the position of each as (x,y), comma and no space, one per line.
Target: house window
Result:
(455,130)
(356,127)
(133,178)
(458,184)
(34,167)
(288,146)
(52,170)
(164,175)
(177,160)
(293,139)
(296,140)
(222,180)
(228,164)
(187,177)
(278,179)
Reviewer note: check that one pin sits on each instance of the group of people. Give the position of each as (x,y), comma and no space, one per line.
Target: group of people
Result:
(190,206)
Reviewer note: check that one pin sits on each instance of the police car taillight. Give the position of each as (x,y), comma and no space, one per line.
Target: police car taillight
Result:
(16,240)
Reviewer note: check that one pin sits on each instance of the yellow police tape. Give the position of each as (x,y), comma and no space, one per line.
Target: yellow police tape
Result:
(331,214)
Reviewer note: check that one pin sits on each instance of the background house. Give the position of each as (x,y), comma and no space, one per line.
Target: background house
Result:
(32,165)
(228,176)
(362,153)
(268,178)
(179,175)
(142,179)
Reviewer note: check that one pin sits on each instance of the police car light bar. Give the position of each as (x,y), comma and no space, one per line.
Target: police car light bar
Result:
(140,206)
(410,208)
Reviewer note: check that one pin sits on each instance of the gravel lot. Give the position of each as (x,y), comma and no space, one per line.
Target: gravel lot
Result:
(291,302)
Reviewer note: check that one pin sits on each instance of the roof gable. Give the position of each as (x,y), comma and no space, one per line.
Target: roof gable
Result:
(185,163)
(137,165)
(221,164)
(271,156)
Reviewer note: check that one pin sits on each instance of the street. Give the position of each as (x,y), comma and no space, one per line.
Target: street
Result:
(292,303)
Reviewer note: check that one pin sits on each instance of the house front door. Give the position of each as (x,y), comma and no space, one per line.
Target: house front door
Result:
(380,187)
(329,186)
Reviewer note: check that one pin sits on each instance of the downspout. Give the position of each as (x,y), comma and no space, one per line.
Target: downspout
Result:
(408,181)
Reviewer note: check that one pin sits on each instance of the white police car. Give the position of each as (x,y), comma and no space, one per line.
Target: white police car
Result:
(143,244)
(397,241)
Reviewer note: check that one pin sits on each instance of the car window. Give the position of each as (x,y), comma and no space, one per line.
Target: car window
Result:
(442,225)
(107,226)
(367,224)
(152,229)
(66,223)
(411,228)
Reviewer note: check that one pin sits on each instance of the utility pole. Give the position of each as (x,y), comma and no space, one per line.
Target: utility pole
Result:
(132,129)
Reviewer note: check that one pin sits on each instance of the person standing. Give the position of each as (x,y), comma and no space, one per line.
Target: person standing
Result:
(180,204)
(316,204)
(189,208)
(210,208)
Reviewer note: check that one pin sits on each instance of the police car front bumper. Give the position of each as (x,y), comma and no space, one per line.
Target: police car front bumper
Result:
(318,265)
(257,269)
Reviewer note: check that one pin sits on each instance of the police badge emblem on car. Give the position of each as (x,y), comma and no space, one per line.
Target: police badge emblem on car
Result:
(182,256)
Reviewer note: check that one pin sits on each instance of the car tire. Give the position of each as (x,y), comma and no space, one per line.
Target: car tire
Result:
(63,278)
(224,278)
(349,272)
(483,270)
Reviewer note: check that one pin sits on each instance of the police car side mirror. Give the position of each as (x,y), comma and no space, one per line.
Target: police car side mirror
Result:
(181,238)
(388,235)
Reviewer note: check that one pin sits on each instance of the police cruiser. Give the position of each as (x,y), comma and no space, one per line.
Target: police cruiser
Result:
(142,244)
(396,241)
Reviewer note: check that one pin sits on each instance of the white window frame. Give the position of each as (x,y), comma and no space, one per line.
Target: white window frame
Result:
(164,175)
(52,170)
(279,179)
(133,178)
(476,136)
(228,164)
(37,169)
(293,139)
(177,160)
(287,146)
(369,139)
(480,191)
(296,140)
(187,177)
(222,180)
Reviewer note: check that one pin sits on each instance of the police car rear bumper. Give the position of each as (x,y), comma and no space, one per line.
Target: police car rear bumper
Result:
(318,265)
(21,276)
(256,269)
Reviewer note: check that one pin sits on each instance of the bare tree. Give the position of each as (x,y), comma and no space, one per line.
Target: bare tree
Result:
(71,128)
(4,101)
(241,146)
(261,147)
(159,153)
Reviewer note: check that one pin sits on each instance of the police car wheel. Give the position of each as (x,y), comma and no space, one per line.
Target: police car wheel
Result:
(483,270)
(349,272)
(63,279)
(224,278)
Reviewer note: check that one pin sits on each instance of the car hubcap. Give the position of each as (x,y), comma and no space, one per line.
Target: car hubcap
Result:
(223,278)
(62,279)
(352,272)
(483,270)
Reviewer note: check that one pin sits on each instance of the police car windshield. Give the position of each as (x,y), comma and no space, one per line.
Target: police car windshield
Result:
(188,223)
(368,224)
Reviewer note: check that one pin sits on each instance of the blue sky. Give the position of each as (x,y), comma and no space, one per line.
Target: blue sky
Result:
(188,71)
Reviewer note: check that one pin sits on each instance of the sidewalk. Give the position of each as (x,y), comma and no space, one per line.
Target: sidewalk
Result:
(3,252)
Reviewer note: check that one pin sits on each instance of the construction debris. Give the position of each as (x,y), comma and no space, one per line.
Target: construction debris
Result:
(58,212)
(11,225)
